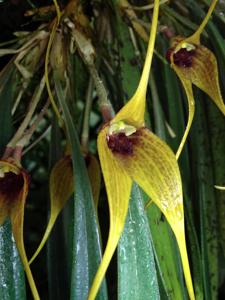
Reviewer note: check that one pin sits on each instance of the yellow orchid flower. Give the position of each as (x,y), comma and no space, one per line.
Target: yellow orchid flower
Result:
(195,64)
(129,152)
(14,184)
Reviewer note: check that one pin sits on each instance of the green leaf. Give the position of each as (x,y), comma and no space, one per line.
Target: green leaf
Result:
(86,240)
(217,133)
(167,254)
(12,281)
(205,195)
(130,72)
(137,277)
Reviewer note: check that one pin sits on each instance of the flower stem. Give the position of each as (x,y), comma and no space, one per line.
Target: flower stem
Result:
(103,101)
(33,104)
(51,39)
(26,137)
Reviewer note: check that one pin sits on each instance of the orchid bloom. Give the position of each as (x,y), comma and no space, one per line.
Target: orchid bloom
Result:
(129,152)
(14,184)
(195,64)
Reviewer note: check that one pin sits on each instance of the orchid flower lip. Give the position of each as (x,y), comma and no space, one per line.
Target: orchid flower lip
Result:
(12,181)
(11,184)
(122,140)
(181,54)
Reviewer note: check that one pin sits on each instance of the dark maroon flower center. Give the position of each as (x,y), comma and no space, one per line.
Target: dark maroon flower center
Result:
(168,54)
(182,58)
(11,184)
(120,143)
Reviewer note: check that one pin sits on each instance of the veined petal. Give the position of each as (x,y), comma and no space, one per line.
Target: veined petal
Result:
(61,188)
(13,193)
(118,187)
(7,171)
(152,164)
(199,66)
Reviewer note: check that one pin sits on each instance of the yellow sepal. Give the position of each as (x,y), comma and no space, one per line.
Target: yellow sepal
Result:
(61,188)
(13,194)
(118,187)
(154,167)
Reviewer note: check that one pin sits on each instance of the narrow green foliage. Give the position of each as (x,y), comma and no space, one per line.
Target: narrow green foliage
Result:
(205,192)
(86,240)
(137,278)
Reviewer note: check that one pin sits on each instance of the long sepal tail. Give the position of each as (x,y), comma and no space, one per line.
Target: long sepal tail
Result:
(180,237)
(191,111)
(195,37)
(17,220)
(61,188)
(118,187)
(133,112)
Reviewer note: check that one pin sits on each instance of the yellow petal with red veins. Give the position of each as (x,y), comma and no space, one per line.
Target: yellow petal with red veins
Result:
(61,188)
(202,71)
(118,187)
(152,164)
(14,184)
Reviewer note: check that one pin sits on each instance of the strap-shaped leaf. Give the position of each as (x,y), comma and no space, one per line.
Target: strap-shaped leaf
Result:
(86,243)
(137,277)
(94,174)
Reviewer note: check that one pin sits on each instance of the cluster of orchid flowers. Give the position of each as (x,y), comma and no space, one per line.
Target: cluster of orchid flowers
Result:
(128,152)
